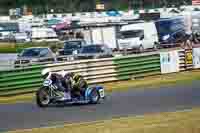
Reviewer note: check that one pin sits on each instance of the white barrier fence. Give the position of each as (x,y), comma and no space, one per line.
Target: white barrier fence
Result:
(6,64)
(180,60)
(169,61)
(196,58)
(7,61)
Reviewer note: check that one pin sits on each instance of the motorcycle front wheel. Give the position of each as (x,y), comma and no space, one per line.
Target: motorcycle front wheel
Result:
(42,97)
(94,97)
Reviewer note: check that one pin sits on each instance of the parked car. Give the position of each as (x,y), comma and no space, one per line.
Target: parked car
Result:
(94,51)
(139,36)
(35,55)
(72,47)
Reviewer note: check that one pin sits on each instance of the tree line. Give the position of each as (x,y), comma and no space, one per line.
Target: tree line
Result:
(41,6)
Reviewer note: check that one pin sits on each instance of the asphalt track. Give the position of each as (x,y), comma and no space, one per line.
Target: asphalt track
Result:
(118,104)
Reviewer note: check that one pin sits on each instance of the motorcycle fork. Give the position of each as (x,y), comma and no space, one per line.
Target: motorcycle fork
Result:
(52,93)
(55,93)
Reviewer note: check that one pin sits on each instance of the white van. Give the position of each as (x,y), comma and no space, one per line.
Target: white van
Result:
(139,36)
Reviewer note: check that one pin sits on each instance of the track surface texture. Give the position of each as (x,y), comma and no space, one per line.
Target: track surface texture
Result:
(117,104)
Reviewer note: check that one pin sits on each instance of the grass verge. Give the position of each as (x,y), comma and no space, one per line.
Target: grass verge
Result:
(145,83)
(18,47)
(155,81)
(171,122)
(7,48)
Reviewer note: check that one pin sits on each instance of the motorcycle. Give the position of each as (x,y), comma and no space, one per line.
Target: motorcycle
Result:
(49,94)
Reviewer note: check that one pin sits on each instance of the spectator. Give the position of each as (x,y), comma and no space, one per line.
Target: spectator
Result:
(79,35)
(71,34)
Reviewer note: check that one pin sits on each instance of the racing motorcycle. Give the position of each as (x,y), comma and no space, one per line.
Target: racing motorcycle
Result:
(50,94)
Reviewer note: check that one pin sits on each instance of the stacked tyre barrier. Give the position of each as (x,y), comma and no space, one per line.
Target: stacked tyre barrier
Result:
(94,71)
(181,60)
(131,67)
(113,69)
(186,59)
(20,81)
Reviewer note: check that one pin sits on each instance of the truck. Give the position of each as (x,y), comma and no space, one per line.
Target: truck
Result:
(102,35)
(171,30)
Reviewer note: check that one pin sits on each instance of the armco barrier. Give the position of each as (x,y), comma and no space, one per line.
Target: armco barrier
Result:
(95,71)
(20,80)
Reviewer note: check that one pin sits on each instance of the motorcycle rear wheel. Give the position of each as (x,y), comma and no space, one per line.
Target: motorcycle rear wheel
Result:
(42,97)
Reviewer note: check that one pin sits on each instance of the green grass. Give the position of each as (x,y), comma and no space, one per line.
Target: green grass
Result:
(170,122)
(155,81)
(18,47)
(145,83)
(7,48)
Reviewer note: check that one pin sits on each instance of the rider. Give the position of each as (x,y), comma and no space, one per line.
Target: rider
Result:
(77,82)
(60,82)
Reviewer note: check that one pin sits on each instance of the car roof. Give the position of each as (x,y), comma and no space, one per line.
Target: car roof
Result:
(170,19)
(73,40)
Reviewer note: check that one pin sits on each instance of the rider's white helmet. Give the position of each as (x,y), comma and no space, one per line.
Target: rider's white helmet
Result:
(46,73)
(63,73)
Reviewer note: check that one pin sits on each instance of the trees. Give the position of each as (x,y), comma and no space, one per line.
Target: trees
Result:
(85,5)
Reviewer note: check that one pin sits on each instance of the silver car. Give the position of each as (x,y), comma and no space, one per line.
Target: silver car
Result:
(35,55)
